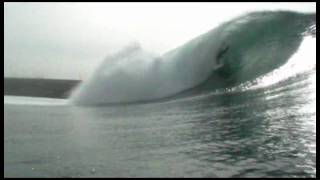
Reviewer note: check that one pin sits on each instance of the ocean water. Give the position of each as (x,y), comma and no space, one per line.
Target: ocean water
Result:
(266,132)
(262,127)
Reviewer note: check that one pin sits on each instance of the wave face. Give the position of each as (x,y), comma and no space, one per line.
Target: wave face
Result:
(237,51)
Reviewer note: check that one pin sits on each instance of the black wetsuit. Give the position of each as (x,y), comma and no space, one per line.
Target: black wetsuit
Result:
(221,53)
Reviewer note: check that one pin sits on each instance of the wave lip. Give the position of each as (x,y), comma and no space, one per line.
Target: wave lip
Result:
(237,51)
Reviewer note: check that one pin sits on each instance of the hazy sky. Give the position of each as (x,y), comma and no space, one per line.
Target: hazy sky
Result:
(68,40)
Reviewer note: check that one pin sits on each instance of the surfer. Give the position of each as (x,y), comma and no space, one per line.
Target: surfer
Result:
(219,56)
(221,53)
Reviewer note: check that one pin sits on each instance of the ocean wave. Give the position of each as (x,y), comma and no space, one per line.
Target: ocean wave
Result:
(238,51)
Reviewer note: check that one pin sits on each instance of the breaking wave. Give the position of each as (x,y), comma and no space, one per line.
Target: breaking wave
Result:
(242,50)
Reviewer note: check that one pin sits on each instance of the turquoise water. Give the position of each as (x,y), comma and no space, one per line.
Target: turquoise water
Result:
(239,50)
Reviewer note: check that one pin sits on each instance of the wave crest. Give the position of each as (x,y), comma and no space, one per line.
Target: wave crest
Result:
(237,51)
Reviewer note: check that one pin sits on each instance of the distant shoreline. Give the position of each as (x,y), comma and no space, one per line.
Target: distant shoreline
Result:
(38,87)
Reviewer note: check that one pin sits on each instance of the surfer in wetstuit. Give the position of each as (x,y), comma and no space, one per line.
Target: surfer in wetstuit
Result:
(220,55)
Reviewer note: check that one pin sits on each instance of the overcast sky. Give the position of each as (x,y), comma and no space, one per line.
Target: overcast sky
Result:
(68,40)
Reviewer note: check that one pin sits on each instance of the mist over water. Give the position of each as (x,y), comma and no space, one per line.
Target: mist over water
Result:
(237,51)
(69,40)
(254,116)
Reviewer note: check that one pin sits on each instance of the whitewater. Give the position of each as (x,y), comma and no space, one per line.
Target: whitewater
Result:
(237,101)
(238,50)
